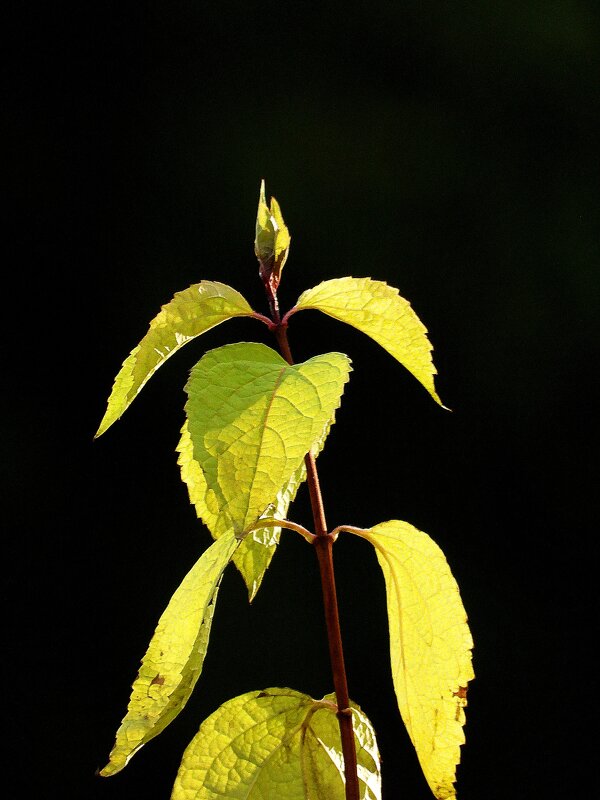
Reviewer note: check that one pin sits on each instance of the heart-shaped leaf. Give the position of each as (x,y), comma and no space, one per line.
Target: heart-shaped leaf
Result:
(253,556)
(252,418)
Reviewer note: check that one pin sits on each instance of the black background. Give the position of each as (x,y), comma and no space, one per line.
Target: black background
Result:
(450,149)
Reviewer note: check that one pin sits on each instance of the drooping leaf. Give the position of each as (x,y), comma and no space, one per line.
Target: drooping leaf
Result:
(430,647)
(252,417)
(175,655)
(253,556)
(190,313)
(377,309)
(276,744)
(272,242)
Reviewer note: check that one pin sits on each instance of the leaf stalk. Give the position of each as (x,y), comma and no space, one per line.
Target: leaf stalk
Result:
(347,529)
(271,522)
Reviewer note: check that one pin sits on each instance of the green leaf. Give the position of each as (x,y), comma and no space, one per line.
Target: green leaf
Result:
(175,655)
(276,744)
(430,647)
(253,556)
(252,417)
(190,313)
(377,309)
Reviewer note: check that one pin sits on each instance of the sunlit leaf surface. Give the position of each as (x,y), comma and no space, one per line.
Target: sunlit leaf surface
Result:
(175,655)
(276,745)
(430,647)
(256,550)
(252,418)
(190,313)
(377,309)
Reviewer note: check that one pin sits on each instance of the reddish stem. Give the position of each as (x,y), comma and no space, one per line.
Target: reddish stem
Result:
(324,547)
(323,543)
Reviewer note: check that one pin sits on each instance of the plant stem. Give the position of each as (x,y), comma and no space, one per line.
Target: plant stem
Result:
(323,543)
(323,546)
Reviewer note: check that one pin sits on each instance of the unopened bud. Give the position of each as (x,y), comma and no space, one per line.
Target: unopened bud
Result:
(272,241)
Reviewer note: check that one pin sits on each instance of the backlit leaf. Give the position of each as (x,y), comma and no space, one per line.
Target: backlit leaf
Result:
(256,550)
(430,647)
(175,655)
(377,309)
(277,744)
(190,313)
(252,417)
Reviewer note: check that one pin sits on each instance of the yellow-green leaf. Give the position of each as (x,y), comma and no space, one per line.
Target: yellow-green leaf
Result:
(175,655)
(252,417)
(277,744)
(377,309)
(253,556)
(272,242)
(430,647)
(190,313)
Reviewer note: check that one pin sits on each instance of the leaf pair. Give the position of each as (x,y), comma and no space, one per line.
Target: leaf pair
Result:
(371,306)
(430,653)
(277,743)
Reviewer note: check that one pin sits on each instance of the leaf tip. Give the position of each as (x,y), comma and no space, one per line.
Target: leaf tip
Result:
(252,592)
(105,423)
(432,391)
(429,384)
(110,769)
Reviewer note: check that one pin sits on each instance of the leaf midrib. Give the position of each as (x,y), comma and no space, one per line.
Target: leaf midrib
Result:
(265,416)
